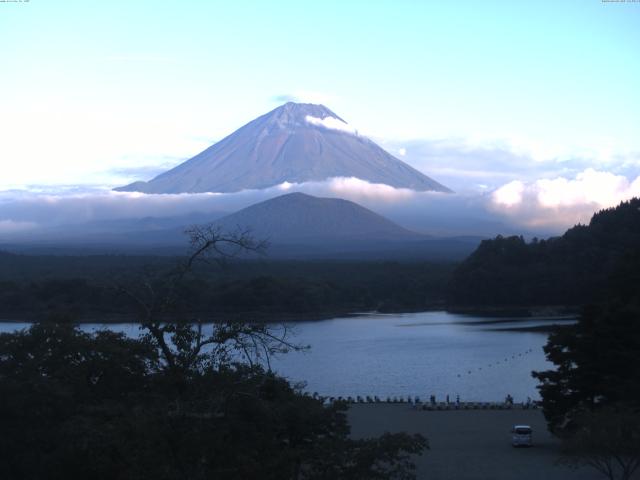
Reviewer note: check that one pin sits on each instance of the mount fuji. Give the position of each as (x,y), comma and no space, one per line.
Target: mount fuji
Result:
(294,143)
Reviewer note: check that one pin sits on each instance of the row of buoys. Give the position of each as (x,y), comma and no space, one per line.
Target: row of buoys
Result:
(368,399)
(513,357)
(417,403)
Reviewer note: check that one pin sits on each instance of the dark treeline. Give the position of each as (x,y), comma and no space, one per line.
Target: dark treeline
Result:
(84,287)
(573,269)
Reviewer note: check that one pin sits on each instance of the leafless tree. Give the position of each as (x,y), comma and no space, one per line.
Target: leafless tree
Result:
(191,342)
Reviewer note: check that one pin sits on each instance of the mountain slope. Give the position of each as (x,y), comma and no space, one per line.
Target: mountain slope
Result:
(297,217)
(573,269)
(294,143)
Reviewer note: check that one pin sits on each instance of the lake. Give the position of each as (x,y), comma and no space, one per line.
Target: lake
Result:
(416,354)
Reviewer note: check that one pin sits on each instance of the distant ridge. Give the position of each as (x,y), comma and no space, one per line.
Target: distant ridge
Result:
(295,143)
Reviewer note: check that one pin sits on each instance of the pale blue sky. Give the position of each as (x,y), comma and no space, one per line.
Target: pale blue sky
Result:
(91,88)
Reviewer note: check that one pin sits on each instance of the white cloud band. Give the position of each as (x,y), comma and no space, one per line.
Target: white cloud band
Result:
(331,123)
(563,201)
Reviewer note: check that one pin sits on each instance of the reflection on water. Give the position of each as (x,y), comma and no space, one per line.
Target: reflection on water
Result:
(429,353)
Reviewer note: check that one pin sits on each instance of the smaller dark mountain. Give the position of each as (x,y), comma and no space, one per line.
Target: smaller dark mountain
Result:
(300,226)
(573,269)
(298,217)
(296,226)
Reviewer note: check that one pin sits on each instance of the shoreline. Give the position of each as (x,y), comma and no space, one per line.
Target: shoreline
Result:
(499,314)
(538,329)
(524,311)
(258,317)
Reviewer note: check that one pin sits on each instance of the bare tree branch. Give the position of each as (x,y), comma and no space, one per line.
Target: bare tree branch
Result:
(185,345)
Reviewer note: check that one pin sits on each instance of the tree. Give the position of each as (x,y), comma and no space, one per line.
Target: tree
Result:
(186,400)
(592,398)
(596,359)
(596,364)
(181,341)
(607,440)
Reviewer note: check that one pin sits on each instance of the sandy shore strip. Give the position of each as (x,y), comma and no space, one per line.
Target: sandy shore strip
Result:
(470,444)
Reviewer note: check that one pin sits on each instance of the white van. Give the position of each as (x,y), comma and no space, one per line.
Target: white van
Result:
(521,436)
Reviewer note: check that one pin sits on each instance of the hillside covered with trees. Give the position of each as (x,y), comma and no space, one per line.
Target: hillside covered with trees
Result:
(573,269)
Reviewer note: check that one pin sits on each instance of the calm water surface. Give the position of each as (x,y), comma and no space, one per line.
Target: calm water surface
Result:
(409,354)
